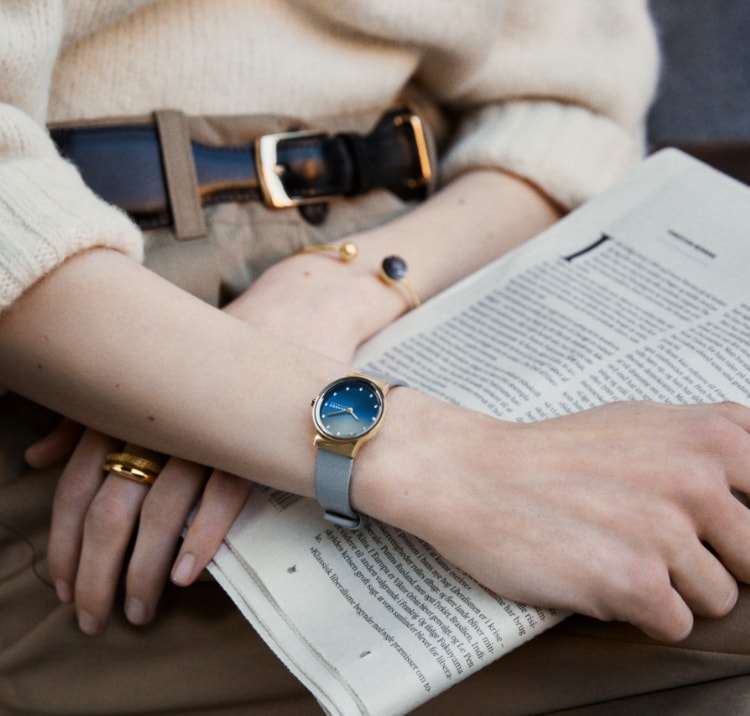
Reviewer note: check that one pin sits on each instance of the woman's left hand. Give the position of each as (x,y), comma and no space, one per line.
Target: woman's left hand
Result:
(95,517)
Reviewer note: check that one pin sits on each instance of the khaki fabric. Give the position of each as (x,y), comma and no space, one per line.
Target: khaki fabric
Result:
(245,239)
(586,668)
(200,657)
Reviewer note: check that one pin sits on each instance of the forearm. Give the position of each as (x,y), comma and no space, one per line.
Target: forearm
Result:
(475,219)
(478,217)
(111,345)
(538,512)
(106,342)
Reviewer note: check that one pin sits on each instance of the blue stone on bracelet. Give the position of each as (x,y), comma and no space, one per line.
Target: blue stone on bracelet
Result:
(394,267)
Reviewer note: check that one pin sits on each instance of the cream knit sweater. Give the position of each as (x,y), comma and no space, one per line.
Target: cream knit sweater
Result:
(555,91)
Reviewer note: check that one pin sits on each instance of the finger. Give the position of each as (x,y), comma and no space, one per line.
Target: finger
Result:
(56,446)
(80,479)
(668,619)
(223,499)
(163,518)
(646,598)
(714,491)
(727,530)
(722,434)
(108,527)
(735,412)
(703,582)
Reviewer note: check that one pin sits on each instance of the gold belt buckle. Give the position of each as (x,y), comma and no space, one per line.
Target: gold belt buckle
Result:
(270,171)
(423,151)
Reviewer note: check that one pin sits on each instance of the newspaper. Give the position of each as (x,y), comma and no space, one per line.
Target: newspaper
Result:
(639,294)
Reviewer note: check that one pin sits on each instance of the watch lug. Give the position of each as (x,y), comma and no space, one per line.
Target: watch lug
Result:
(382,383)
(349,449)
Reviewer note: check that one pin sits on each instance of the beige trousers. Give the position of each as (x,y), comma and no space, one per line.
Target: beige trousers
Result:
(200,657)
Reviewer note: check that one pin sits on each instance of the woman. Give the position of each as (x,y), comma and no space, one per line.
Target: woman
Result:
(535,105)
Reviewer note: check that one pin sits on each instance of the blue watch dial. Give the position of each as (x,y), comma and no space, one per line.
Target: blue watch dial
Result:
(348,408)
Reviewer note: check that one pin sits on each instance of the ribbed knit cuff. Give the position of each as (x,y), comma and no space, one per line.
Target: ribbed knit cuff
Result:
(47,215)
(569,152)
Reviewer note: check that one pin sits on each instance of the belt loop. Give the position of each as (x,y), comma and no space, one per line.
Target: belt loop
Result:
(180,175)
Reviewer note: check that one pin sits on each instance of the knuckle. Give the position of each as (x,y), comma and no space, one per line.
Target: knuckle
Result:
(648,581)
(67,502)
(630,582)
(163,515)
(717,434)
(649,578)
(141,578)
(107,515)
(72,487)
(153,511)
(732,407)
(716,445)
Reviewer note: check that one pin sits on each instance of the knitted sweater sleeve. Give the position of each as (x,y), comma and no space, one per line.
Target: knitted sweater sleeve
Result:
(47,214)
(558,96)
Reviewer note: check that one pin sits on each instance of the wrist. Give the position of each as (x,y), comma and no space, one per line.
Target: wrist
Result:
(432,487)
(357,294)
(349,415)
(402,473)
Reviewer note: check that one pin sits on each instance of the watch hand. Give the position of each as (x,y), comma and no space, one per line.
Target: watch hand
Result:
(349,411)
(336,412)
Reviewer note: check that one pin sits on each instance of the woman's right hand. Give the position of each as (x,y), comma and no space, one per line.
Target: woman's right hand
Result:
(628,511)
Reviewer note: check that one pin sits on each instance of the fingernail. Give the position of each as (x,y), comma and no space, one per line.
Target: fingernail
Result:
(87,623)
(183,570)
(63,591)
(136,611)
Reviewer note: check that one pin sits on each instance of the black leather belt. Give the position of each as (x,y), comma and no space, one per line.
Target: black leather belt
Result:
(125,165)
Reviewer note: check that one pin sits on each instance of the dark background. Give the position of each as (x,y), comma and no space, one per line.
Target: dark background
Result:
(703,104)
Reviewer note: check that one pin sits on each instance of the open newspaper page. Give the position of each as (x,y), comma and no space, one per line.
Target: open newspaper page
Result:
(641,294)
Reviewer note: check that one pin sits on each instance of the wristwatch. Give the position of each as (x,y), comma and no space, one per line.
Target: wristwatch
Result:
(346,414)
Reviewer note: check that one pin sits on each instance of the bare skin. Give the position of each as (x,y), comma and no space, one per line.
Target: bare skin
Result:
(606,512)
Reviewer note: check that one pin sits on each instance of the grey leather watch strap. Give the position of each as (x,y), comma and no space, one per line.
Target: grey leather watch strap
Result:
(333,475)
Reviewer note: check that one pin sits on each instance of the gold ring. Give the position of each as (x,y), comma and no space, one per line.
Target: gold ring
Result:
(132,467)
(393,271)
(345,252)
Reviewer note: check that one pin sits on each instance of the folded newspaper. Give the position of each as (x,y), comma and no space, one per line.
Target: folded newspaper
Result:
(640,294)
